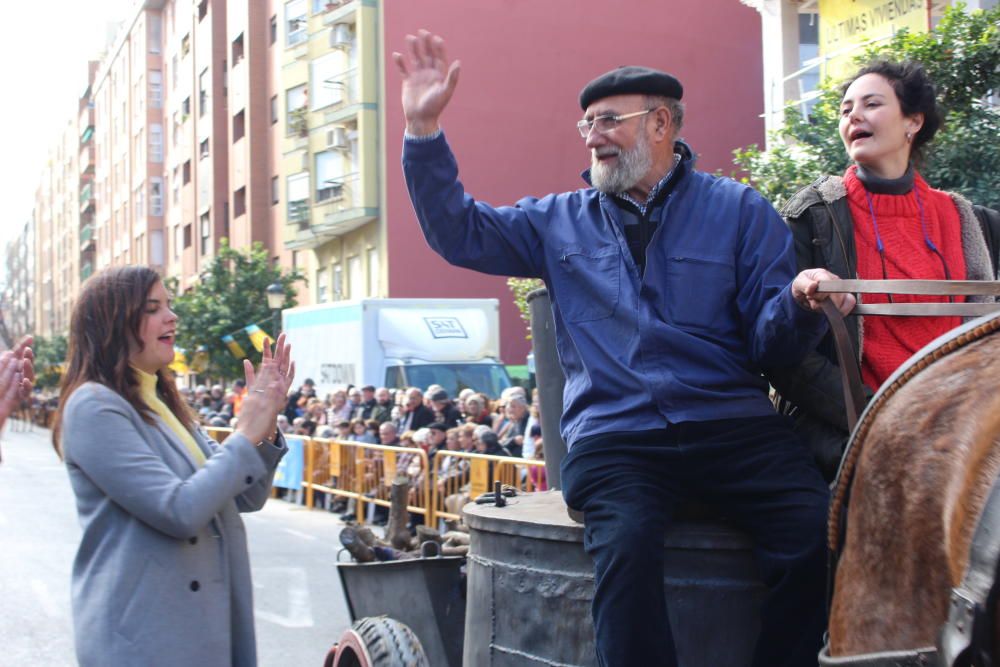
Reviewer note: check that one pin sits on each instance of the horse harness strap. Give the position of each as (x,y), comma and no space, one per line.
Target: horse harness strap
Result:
(923,657)
(966,638)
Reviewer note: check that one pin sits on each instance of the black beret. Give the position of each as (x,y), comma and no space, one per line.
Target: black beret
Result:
(630,80)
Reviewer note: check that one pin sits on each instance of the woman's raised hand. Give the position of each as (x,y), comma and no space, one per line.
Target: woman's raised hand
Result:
(17,375)
(428,81)
(267,391)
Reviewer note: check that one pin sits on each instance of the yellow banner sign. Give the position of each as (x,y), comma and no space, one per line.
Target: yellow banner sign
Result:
(846,25)
(479,477)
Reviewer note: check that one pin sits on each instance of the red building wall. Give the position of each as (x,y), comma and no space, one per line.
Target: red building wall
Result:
(512,119)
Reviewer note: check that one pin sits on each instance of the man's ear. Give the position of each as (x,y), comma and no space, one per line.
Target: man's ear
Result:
(663,127)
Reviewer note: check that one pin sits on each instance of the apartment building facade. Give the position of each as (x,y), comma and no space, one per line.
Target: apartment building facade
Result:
(17,300)
(328,118)
(64,197)
(128,184)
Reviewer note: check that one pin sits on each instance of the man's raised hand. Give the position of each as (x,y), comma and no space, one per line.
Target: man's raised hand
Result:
(428,81)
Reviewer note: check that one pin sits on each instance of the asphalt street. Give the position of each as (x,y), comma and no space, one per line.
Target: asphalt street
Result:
(298,599)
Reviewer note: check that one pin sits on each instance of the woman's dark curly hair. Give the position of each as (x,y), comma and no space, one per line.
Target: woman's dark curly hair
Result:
(915,92)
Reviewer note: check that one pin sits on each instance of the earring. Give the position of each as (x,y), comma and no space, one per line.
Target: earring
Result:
(909,137)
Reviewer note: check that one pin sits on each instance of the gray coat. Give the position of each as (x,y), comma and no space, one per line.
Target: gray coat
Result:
(162,575)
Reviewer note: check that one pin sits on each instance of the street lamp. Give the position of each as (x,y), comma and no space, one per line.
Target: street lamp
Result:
(275,299)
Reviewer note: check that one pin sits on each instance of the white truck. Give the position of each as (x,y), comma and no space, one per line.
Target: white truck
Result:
(398,343)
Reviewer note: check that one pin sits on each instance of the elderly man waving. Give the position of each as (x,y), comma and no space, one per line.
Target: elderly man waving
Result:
(670,290)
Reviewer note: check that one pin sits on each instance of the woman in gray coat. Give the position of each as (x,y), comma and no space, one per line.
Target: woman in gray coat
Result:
(162,575)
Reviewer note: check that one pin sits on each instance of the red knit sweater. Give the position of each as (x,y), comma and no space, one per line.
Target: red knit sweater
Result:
(889,341)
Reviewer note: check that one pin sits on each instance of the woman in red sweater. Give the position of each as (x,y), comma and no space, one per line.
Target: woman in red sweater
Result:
(880,220)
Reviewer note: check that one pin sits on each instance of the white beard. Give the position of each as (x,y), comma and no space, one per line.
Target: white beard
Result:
(632,166)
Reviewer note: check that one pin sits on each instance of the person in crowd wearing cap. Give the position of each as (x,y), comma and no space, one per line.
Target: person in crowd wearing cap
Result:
(436,435)
(366,404)
(444,410)
(670,290)
(414,413)
(307,390)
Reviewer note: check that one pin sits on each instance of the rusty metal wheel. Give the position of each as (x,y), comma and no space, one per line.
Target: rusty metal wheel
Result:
(379,641)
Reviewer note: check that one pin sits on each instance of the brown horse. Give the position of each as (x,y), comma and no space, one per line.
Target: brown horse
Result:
(924,458)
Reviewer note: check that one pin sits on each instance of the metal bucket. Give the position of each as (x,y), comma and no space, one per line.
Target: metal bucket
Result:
(427,594)
(530,588)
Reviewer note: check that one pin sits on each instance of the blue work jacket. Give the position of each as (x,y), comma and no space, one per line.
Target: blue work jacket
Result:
(686,340)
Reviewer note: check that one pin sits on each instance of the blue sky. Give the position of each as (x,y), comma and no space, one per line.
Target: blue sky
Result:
(44,48)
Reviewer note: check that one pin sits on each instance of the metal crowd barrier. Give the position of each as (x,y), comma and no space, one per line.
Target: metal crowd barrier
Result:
(365,472)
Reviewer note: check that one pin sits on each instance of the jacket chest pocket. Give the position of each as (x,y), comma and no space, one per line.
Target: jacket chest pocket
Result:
(587,280)
(699,292)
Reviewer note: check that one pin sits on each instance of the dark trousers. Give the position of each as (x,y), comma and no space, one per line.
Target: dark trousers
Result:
(757,474)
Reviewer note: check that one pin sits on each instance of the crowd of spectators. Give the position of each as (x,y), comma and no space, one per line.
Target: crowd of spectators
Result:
(427,419)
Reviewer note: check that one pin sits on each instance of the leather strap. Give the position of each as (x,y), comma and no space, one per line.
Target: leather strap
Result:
(921,657)
(850,372)
(924,287)
(924,309)
(854,394)
(967,636)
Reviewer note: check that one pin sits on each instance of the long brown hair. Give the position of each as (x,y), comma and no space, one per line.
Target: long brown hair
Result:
(103,333)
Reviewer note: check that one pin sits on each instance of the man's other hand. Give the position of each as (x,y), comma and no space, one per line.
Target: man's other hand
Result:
(806,284)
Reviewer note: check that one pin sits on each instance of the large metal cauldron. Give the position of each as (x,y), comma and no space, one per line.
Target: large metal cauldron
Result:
(530,586)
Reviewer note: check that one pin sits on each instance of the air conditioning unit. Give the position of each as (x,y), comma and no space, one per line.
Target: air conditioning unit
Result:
(341,36)
(337,139)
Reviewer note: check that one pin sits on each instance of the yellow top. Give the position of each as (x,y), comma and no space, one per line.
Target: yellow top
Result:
(147,389)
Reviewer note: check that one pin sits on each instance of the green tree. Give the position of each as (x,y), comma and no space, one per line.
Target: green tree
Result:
(230,296)
(962,57)
(520,288)
(50,355)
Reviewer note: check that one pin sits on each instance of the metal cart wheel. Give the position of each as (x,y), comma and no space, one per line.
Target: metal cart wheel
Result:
(377,641)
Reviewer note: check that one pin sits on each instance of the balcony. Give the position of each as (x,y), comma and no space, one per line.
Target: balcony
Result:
(338,10)
(88,237)
(339,209)
(298,212)
(86,197)
(348,85)
(87,135)
(86,270)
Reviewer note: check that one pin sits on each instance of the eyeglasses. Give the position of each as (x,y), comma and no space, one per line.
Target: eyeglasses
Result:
(605,124)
